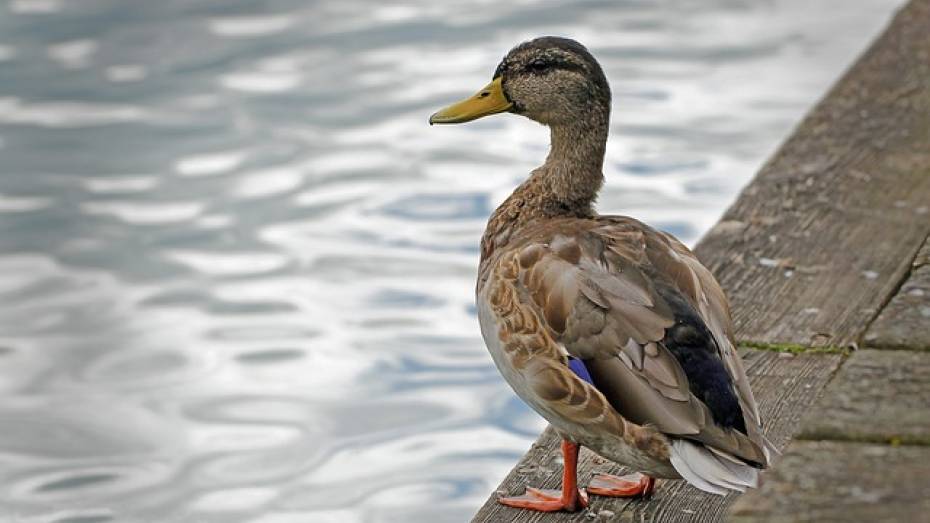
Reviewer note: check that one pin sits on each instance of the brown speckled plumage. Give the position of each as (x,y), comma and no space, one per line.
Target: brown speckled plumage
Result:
(669,395)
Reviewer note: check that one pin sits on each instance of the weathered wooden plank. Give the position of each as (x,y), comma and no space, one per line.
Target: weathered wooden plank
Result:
(905,322)
(823,236)
(785,386)
(878,396)
(842,482)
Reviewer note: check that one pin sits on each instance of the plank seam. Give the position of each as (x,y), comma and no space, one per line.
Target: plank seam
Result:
(860,340)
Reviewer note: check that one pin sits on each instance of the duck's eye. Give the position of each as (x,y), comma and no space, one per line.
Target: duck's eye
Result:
(538,66)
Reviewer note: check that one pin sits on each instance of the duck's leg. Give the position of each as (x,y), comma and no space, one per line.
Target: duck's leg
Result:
(571,498)
(630,486)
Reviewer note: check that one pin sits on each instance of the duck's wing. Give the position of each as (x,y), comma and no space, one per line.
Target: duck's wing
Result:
(651,326)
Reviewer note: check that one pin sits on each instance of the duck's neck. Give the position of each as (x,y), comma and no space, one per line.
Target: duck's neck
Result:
(565,185)
(572,175)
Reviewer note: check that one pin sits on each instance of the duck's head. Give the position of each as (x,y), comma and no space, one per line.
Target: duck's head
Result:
(551,80)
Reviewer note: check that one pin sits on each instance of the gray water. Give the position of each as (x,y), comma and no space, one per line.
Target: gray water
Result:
(236,264)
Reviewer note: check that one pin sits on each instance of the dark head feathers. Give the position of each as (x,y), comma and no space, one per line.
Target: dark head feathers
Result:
(557,42)
(558,52)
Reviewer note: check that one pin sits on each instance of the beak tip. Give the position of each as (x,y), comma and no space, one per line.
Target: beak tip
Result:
(438,119)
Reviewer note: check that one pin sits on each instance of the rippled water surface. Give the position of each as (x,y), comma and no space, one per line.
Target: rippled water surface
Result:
(236,265)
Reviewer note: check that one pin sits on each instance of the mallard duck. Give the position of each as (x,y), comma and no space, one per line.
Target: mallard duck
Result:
(611,330)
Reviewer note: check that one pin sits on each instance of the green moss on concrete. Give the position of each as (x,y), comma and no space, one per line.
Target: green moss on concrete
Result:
(919,440)
(792,348)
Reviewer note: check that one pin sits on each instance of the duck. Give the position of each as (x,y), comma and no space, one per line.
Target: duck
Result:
(611,330)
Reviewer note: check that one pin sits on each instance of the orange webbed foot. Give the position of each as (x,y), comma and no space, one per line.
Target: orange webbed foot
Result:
(546,500)
(570,498)
(630,486)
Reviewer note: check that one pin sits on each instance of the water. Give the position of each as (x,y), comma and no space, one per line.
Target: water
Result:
(237,265)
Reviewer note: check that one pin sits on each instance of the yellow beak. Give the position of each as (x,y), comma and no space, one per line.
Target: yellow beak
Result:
(489,100)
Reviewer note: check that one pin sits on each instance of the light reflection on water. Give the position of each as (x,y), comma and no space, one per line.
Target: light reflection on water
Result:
(237,266)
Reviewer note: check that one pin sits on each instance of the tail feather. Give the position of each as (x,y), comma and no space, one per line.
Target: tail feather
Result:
(749,476)
(692,477)
(769,449)
(710,471)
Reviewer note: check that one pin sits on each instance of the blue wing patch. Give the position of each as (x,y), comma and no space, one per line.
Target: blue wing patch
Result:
(578,367)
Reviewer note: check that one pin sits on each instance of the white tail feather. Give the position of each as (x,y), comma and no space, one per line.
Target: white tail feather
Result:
(711,468)
(710,472)
(748,475)
(691,477)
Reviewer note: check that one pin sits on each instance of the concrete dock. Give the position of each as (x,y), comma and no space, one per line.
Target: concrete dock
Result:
(826,261)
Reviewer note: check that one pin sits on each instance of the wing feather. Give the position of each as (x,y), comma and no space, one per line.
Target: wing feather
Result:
(611,291)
